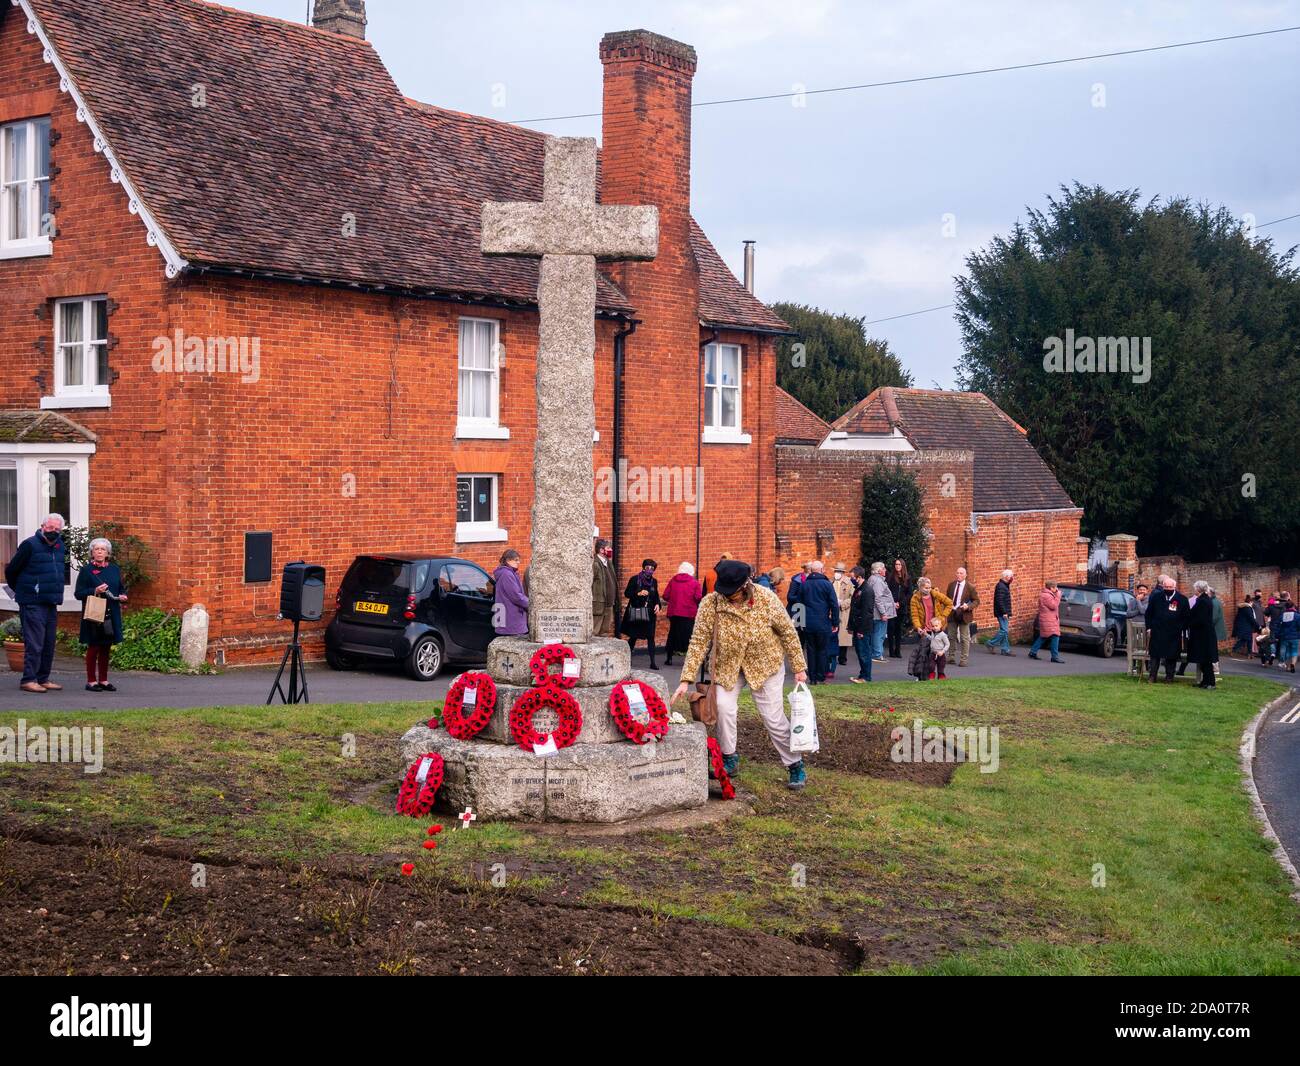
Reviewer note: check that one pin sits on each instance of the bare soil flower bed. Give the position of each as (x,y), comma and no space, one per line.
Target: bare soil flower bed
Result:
(93,907)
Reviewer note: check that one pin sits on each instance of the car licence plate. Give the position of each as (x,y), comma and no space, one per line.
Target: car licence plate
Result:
(366,607)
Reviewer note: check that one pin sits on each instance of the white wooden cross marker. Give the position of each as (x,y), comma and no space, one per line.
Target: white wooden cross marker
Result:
(466,816)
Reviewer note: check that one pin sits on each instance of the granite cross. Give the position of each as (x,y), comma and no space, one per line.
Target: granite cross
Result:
(569,231)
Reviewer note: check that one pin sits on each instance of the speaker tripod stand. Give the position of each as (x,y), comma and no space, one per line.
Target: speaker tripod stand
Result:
(297,674)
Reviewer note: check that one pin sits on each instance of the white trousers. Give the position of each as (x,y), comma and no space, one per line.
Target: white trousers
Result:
(769,697)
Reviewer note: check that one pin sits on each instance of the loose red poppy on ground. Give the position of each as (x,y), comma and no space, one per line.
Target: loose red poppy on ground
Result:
(408,868)
(430,844)
(433,829)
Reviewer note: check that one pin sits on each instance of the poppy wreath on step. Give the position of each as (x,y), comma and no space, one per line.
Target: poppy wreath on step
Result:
(540,665)
(638,732)
(415,796)
(457,722)
(716,770)
(533,700)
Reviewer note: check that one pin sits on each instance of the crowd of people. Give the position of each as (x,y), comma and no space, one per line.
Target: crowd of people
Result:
(1189,629)
(854,609)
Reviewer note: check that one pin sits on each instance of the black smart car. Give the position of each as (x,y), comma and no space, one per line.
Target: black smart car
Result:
(420,610)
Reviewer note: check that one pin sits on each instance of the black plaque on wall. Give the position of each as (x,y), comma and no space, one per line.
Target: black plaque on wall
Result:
(257,558)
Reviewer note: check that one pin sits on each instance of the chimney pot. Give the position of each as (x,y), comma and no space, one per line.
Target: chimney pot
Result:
(749,266)
(347,17)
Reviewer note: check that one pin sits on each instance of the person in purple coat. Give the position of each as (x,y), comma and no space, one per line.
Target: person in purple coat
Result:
(510,610)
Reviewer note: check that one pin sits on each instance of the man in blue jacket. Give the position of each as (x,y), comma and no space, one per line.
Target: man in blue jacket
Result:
(821,615)
(35,573)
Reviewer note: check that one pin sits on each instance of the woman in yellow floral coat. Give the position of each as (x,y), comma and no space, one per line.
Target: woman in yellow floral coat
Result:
(755,638)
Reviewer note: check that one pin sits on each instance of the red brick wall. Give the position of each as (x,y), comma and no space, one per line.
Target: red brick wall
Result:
(822,490)
(1038,545)
(363,385)
(100,248)
(1233,581)
(351,384)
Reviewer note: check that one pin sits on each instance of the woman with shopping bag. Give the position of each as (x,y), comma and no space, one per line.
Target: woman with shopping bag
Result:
(99,587)
(751,637)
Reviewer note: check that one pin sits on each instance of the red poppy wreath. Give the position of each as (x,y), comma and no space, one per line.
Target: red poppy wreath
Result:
(540,665)
(533,700)
(716,770)
(459,724)
(419,786)
(637,731)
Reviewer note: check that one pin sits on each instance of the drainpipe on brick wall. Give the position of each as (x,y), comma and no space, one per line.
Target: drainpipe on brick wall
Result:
(620,339)
(699,446)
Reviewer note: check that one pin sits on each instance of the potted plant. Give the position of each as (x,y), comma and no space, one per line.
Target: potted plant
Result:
(11,630)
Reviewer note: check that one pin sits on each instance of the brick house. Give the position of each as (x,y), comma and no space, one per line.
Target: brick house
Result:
(990,501)
(241,293)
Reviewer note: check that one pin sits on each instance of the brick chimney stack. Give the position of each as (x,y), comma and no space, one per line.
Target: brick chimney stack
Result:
(646,132)
(646,159)
(347,17)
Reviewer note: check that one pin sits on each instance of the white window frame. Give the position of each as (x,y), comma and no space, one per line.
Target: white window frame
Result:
(474,427)
(83,395)
(9,463)
(482,532)
(713,433)
(37,243)
(32,461)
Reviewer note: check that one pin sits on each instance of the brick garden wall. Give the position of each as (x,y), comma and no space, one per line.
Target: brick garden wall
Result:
(1038,545)
(821,490)
(1232,581)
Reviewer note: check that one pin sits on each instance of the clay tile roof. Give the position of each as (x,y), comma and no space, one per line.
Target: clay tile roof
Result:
(300,129)
(795,424)
(724,301)
(42,427)
(1009,474)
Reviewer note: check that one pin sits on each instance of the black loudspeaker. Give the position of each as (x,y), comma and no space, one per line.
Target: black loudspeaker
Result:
(302,592)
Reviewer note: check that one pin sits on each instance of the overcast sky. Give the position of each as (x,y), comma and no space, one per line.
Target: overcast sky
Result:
(847,195)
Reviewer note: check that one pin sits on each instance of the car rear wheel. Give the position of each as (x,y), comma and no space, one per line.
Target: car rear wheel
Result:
(425,659)
(338,661)
(1107,646)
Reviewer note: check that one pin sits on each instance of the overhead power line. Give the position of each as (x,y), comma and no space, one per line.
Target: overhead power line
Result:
(937,77)
(910,314)
(944,307)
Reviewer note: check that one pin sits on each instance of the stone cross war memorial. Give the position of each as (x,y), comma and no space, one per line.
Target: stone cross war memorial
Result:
(600,776)
(569,231)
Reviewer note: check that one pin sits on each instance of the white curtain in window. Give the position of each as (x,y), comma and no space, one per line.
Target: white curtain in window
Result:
(72,349)
(478,376)
(722,386)
(17,184)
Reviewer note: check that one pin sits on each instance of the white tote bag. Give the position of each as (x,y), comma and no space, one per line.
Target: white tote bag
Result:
(803,720)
